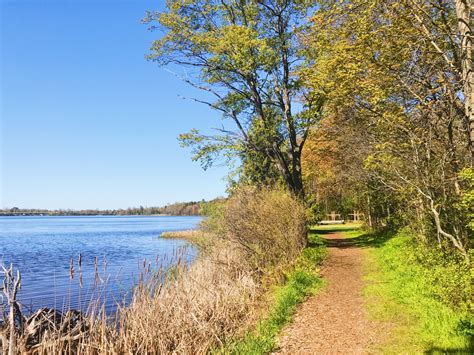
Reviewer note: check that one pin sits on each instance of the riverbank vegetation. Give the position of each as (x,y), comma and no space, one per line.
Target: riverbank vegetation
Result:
(197,237)
(300,282)
(198,307)
(361,108)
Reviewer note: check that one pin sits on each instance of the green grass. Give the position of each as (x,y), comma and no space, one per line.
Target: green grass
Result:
(338,227)
(349,230)
(402,296)
(420,297)
(401,293)
(198,238)
(303,280)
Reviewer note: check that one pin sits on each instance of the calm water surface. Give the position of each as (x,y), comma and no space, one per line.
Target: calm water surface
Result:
(42,248)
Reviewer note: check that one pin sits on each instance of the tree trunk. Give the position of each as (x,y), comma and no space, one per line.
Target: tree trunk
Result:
(464,10)
(369,215)
(293,177)
(297,175)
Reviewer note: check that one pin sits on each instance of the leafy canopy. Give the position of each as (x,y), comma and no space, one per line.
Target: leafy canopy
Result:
(244,55)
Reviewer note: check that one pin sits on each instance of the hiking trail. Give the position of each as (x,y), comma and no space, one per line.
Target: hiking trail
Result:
(334,321)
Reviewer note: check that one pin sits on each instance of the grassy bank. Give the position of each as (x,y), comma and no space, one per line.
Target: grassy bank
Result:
(302,281)
(421,295)
(197,237)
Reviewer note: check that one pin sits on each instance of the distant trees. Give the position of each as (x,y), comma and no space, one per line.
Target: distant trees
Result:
(192,208)
(244,55)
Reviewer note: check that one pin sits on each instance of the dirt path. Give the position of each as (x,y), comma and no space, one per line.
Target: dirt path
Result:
(334,320)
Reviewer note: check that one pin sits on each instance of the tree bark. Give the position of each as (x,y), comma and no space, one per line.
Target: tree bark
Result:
(464,9)
(369,213)
(297,174)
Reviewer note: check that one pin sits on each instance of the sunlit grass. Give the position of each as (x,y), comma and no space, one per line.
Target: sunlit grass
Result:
(399,294)
(348,230)
(338,227)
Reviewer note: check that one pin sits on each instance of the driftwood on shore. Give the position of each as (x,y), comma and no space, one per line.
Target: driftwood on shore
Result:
(20,334)
(14,321)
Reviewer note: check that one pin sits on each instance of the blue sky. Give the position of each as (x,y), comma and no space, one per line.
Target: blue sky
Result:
(86,121)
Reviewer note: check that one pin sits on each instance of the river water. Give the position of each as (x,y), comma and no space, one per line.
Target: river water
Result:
(113,250)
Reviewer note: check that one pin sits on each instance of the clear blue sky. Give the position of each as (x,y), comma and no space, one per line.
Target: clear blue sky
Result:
(86,121)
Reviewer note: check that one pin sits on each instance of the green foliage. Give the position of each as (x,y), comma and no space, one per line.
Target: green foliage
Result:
(425,294)
(313,255)
(368,58)
(208,149)
(466,204)
(243,55)
(315,212)
(257,168)
(213,211)
(448,275)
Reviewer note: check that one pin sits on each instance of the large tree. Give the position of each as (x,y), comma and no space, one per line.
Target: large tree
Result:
(244,54)
(465,16)
(447,25)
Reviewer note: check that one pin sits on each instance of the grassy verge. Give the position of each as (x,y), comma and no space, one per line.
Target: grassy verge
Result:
(196,237)
(405,292)
(302,281)
(350,230)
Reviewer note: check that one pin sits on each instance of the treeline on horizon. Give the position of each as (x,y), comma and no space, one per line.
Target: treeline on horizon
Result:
(190,208)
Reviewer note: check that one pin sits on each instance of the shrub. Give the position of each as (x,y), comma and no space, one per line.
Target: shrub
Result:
(466,204)
(447,272)
(268,225)
(213,211)
(315,211)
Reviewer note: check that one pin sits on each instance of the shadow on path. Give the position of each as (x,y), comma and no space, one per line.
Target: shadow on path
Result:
(333,237)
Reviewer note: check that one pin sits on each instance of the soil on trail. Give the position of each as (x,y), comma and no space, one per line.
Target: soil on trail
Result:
(334,321)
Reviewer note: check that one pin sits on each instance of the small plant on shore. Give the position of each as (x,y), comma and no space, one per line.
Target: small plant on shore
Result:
(213,212)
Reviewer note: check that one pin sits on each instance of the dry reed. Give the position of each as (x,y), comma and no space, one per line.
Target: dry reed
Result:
(191,309)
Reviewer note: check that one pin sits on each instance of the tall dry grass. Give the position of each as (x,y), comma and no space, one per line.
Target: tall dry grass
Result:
(191,309)
(199,308)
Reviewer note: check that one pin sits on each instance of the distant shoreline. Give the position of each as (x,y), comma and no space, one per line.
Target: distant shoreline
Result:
(190,208)
(93,215)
